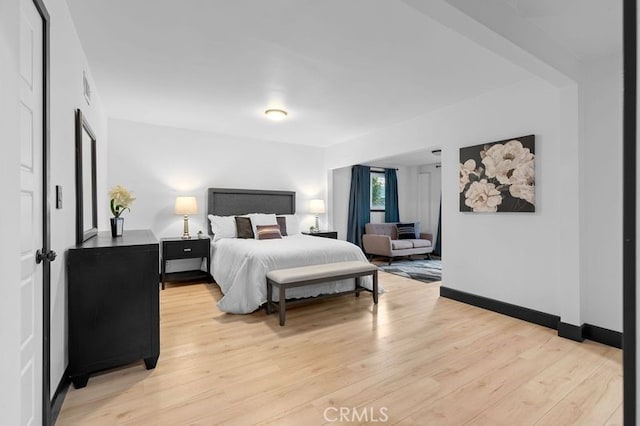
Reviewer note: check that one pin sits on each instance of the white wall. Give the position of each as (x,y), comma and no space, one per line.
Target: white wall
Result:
(159,163)
(340,185)
(408,193)
(67,64)
(515,258)
(601,193)
(9,250)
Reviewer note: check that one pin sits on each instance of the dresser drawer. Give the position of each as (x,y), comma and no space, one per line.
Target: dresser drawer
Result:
(185,249)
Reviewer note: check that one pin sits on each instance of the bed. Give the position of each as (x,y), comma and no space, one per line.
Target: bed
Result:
(239,266)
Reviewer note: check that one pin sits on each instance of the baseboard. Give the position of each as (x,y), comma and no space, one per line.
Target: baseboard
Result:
(568,331)
(526,314)
(58,396)
(602,335)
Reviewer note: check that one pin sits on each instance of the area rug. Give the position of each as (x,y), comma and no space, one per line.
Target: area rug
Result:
(426,271)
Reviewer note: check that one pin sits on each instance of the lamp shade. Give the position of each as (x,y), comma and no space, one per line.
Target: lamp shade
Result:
(186,205)
(316,206)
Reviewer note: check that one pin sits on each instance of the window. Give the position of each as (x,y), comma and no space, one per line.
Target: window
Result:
(377,192)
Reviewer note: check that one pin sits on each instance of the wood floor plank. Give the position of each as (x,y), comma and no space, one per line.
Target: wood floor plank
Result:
(595,400)
(535,398)
(616,418)
(421,358)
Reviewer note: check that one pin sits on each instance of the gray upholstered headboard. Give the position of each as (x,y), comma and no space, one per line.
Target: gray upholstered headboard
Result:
(229,202)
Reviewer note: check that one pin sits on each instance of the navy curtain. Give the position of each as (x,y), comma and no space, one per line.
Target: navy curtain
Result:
(391,210)
(359,204)
(437,250)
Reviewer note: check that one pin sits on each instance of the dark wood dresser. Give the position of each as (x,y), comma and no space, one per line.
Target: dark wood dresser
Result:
(113,303)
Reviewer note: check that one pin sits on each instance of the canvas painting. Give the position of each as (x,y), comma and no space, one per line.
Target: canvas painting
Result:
(498,176)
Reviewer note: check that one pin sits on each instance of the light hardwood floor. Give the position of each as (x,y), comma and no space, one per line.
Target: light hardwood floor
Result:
(416,358)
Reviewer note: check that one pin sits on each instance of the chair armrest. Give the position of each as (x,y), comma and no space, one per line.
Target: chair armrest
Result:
(427,236)
(377,244)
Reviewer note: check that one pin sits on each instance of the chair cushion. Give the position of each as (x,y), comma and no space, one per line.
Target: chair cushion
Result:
(401,244)
(421,243)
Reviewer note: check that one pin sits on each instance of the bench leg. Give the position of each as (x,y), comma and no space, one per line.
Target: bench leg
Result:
(282,305)
(375,286)
(269,296)
(357,285)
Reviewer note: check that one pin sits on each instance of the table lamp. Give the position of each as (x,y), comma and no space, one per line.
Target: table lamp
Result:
(186,206)
(317,207)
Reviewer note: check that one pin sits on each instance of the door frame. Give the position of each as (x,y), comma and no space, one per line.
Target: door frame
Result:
(46,232)
(629,211)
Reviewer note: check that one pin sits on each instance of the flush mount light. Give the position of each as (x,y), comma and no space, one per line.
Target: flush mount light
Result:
(276,114)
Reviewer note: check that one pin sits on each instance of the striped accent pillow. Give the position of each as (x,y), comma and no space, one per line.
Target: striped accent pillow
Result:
(406,231)
(268,232)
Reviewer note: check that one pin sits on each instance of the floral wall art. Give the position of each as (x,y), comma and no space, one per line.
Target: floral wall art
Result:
(498,176)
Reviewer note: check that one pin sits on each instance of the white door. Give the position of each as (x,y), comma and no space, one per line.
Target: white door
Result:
(31,129)
(424,202)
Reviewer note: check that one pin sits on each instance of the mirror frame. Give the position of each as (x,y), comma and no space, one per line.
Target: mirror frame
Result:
(85,231)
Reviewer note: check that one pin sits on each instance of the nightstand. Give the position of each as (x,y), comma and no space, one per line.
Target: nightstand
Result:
(177,248)
(324,234)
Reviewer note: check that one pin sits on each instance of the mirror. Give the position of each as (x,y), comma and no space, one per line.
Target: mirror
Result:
(86,201)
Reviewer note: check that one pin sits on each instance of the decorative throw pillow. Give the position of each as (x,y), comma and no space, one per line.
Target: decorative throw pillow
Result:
(416,225)
(406,231)
(293,227)
(261,219)
(243,227)
(222,227)
(268,232)
(282,223)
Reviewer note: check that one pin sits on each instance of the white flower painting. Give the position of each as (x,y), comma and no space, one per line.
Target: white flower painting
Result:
(498,176)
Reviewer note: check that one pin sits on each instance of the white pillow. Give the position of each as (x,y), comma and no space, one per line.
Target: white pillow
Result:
(293,225)
(223,227)
(262,219)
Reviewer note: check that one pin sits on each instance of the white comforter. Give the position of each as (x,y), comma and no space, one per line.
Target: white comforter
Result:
(240,267)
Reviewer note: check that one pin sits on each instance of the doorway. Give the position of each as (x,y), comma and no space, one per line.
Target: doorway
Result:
(35,255)
(429,196)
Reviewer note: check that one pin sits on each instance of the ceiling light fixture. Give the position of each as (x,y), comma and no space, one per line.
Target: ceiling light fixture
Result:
(276,114)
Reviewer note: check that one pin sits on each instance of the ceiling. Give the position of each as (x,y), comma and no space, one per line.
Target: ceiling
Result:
(342,69)
(588,29)
(414,158)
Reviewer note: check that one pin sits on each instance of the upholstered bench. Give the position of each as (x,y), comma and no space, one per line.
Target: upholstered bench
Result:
(315,274)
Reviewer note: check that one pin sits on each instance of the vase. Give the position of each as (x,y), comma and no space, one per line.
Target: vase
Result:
(117,223)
